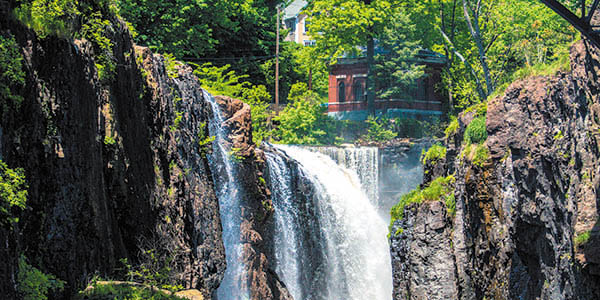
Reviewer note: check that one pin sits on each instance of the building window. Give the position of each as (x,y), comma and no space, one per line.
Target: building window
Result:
(341,91)
(291,24)
(422,89)
(309,43)
(358,91)
(306,23)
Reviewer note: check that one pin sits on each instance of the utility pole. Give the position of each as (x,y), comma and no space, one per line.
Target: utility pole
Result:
(277,64)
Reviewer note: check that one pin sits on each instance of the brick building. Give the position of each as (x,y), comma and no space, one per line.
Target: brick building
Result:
(348,97)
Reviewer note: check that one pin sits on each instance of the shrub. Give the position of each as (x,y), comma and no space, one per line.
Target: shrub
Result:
(440,189)
(581,239)
(110,291)
(452,127)
(303,121)
(378,131)
(171,65)
(94,30)
(476,132)
(33,284)
(12,76)
(435,153)
(481,155)
(13,193)
(49,17)
(222,81)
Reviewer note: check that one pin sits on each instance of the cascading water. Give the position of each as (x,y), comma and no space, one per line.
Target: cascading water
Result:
(329,241)
(364,161)
(224,176)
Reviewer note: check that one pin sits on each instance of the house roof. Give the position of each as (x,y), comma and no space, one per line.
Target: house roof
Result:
(292,10)
(424,56)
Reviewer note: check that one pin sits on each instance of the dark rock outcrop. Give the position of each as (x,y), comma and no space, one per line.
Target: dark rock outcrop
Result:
(257,209)
(422,250)
(114,168)
(523,215)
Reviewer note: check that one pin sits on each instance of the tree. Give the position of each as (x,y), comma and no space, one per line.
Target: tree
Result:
(303,120)
(396,69)
(488,42)
(341,26)
(240,33)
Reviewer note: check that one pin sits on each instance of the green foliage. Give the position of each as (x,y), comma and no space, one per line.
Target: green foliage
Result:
(234,154)
(559,136)
(452,127)
(378,131)
(480,109)
(171,65)
(476,131)
(223,81)
(303,120)
(339,26)
(433,154)
(33,284)
(204,141)
(109,140)
(155,269)
(451,205)
(49,17)
(396,70)
(13,193)
(516,35)
(121,291)
(481,154)
(440,189)
(237,32)
(95,30)
(12,77)
(582,238)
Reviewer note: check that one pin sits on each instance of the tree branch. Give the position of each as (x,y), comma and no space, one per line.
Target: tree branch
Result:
(466,63)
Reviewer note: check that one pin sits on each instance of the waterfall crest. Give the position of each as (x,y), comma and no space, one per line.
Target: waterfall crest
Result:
(329,241)
(364,161)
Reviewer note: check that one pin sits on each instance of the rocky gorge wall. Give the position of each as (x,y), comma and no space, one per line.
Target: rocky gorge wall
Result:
(526,223)
(119,167)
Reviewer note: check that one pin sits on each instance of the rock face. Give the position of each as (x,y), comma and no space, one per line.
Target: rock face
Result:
(114,167)
(257,208)
(423,258)
(523,214)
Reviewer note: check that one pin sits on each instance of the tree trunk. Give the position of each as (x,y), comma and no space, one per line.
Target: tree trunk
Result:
(476,34)
(371,76)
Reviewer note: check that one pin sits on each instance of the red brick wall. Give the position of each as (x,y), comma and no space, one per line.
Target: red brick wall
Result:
(348,71)
(433,101)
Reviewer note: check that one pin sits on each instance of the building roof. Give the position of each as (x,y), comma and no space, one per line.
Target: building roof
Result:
(424,56)
(294,9)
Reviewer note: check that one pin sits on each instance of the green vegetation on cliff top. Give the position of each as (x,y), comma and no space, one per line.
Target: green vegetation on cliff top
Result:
(440,189)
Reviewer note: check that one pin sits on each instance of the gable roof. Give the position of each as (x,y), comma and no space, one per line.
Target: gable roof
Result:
(292,10)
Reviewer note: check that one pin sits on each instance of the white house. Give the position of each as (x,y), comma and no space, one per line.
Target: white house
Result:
(295,21)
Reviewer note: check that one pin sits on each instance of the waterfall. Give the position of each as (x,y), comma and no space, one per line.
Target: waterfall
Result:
(329,241)
(364,161)
(225,179)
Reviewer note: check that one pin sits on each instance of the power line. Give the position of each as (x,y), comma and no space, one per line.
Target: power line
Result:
(229,58)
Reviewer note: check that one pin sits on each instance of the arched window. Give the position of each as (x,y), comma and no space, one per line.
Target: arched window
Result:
(358,91)
(341,91)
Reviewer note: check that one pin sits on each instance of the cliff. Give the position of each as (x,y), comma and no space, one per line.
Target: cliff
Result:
(526,219)
(117,168)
